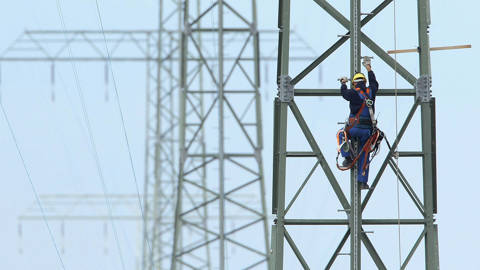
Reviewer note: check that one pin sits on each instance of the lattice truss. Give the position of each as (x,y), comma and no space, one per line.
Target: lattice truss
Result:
(291,182)
(161,139)
(223,95)
(87,45)
(244,213)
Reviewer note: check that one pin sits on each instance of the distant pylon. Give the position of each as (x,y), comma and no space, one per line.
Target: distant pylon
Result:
(232,156)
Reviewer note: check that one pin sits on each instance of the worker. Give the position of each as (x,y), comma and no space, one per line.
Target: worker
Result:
(361,122)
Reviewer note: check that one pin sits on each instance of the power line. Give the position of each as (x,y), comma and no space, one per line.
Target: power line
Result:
(37,198)
(90,133)
(117,98)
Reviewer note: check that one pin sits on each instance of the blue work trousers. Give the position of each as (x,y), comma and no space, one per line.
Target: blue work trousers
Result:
(361,135)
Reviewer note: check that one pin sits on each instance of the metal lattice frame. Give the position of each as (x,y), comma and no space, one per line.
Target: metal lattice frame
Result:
(142,46)
(354,208)
(237,165)
(161,146)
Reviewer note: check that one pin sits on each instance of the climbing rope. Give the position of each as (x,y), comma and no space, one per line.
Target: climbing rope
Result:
(396,134)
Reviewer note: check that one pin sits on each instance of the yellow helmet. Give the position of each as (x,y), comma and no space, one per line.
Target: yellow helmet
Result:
(358,77)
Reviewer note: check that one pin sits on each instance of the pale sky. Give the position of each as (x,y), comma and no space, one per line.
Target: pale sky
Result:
(54,143)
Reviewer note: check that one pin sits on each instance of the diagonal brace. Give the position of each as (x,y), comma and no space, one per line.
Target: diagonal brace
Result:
(339,248)
(316,149)
(390,153)
(368,42)
(295,250)
(373,253)
(418,203)
(337,44)
(412,251)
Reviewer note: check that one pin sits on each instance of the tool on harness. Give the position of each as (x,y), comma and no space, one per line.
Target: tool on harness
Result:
(369,102)
(345,146)
(376,147)
(372,145)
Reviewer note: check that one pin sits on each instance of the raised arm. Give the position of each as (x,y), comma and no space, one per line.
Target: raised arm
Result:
(372,80)
(346,93)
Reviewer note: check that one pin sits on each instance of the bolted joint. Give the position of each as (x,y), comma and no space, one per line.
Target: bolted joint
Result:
(183,156)
(253,29)
(187,29)
(258,154)
(285,88)
(422,87)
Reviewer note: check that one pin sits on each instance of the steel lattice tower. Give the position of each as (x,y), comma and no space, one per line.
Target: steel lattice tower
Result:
(49,46)
(161,53)
(161,146)
(353,209)
(233,153)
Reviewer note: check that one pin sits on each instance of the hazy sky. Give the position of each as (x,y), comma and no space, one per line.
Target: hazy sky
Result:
(55,144)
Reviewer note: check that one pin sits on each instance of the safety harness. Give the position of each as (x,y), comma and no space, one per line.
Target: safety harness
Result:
(372,145)
(367,102)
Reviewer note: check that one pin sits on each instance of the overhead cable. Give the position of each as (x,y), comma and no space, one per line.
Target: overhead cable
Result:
(117,98)
(91,137)
(37,198)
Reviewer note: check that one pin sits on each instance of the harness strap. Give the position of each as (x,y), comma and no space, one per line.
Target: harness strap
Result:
(372,140)
(356,119)
(365,150)
(370,107)
(353,121)
(369,146)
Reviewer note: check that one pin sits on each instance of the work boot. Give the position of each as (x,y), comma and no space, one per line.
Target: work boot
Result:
(364,185)
(347,162)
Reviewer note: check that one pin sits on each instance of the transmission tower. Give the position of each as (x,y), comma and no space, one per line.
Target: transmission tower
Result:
(160,166)
(354,207)
(159,50)
(141,46)
(233,153)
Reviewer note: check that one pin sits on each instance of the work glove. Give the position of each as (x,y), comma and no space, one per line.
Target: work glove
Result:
(343,79)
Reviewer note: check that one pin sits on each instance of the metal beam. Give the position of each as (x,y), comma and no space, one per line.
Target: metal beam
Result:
(336,92)
(353,209)
(329,222)
(355,213)
(323,162)
(222,194)
(339,43)
(428,140)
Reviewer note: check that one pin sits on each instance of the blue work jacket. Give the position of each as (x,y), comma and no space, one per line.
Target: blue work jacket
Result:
(354,98)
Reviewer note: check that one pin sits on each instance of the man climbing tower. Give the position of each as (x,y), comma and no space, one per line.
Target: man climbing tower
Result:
(361,125)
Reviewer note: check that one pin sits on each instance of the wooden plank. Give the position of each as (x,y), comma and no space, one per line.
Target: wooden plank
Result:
(402,51)
(432,49)
(451,47)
